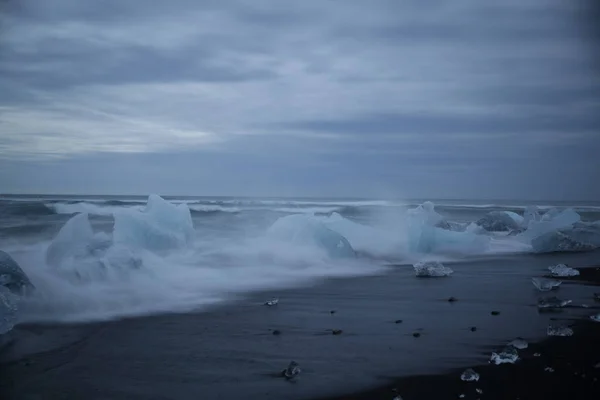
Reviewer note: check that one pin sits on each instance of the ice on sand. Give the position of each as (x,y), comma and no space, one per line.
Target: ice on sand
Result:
(545,285)
(292,370)
(563,270)
(595,317)
(161,226)
(509,355)
(519,343)
(552,302)
(469,375)
(559,331)
(11,274)
(272,302)
(306,230)
(431,269)
(8,309)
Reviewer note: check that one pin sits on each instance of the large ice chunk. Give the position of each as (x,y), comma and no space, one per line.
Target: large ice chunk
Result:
(545,285)
(161,226)
(306,230)
(8,309)
(509,355)
(425,237)
(563,270)
(11,275)
(551,223)
(530,214)
(581,237)
(499,221)
(72,240)
(431,269)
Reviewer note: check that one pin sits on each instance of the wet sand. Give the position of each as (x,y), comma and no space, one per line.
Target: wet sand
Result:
(230,351)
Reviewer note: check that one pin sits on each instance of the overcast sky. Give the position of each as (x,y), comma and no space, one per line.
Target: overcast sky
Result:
(403,98)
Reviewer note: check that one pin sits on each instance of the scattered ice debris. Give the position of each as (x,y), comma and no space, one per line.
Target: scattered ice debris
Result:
(537,355)
(292,370)
(545,285)
(469,376)
(272,302)
(519,343)
(559,331)
(595,317)
(507,356)
(552,302)
(431,269)
(549,369)
(479,391)
(563,270)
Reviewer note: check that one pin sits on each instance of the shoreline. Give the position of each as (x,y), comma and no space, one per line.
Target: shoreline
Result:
(230,351)
(553,368)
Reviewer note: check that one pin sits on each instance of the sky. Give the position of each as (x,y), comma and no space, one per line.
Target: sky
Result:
(464,99)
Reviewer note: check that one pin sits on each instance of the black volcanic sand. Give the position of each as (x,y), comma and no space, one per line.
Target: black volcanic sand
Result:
(388,331)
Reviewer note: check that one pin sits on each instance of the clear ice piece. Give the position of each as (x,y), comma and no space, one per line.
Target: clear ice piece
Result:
(549,369)
(431,269)
(272,302)
(469,376)
(595,317)
(292,370)
(507,356)
(553,302)
(519,343)
(545,285)
(563,270)
(559,331)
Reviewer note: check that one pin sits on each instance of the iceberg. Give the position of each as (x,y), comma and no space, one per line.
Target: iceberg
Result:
(530,214)
(431,269)
(11,274)
(425,237)
(545,285)
(160,226)
(507,356)
(500,221)
(8,309)
(576,239)
(72,240)
(553,222)
(469,375)
(559,331)
(563,270)
(306,230)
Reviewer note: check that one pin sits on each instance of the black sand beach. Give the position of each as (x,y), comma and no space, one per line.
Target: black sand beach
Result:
(230,351)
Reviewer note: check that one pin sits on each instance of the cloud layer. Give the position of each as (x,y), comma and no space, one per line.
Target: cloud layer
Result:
(413,98)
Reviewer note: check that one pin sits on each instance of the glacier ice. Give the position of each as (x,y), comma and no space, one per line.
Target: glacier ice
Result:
(545,285)
(425,237)
(499,221)
(559,331)
(562,270)
(431,269)
(581,237)
(307,230)
(530,214)
(555,222)
(8,309)
(11,274)
(160,226)
(72,240)
(469,375)
(507,356)
(553,302)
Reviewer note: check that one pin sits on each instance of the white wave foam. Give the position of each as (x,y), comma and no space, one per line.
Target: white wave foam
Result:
(89,208)
(307,210)
(212,208)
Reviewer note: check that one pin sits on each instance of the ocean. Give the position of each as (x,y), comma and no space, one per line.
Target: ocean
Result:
(189,320)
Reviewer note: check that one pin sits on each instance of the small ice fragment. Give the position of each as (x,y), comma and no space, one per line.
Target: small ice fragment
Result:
(549,369)
(479,391)
(559,331)
(537,355)
(462,396)
(292,370)
(469,376)
(397,398)
(272,302)
(545,285)
(519,343)
(507,356)
(585,305)
(431,269)
(552,302)
(563,270)
(595,317)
